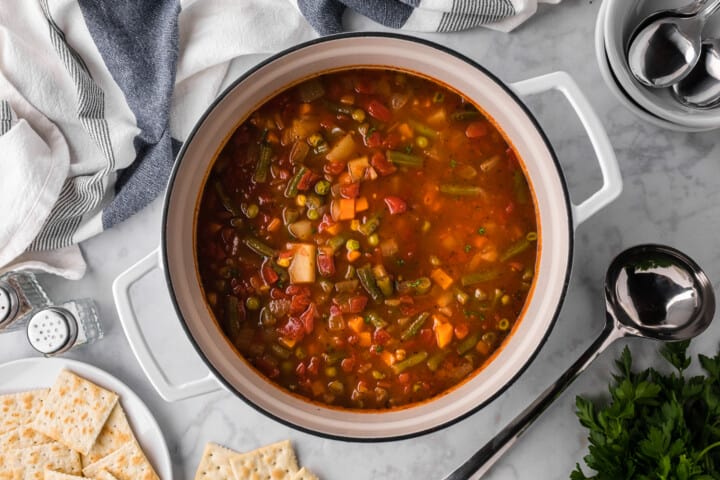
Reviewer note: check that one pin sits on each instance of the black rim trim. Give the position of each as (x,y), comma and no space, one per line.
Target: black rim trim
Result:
(221,97)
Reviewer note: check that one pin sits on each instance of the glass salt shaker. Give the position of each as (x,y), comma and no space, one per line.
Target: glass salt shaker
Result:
(20,296)
(58,328)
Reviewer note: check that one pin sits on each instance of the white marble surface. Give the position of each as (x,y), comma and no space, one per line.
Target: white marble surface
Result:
(671,196)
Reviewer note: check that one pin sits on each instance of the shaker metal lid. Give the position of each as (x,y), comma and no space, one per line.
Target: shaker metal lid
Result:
(52,330)
(8,304)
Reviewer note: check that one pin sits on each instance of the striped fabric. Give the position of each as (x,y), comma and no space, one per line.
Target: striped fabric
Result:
(466,14)
(81,194)
(5,117)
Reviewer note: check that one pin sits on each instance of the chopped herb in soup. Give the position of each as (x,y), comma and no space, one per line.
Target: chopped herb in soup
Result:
(367,239)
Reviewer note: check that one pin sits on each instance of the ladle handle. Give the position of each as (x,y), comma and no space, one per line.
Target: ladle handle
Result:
(709,9)
(477,465)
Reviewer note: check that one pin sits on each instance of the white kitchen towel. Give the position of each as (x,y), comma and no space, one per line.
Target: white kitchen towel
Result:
(97,95)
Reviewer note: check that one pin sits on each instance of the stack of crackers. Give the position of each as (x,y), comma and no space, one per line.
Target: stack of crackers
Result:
(74,430)
(274,462)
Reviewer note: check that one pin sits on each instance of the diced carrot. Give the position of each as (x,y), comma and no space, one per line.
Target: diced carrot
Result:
(353,255)
(274,224)
(479,241)
(482,348)
(443,334)
(387,357)
(356,324)
(441,278)
(346,208)
(405,130)
(345,178)
(288,342)
(304,108)
(461,330)
(476,130)
(272,137)
(365,339)
(333,229)
(361,204)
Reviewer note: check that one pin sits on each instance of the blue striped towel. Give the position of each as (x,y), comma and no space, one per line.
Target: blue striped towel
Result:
(97,95)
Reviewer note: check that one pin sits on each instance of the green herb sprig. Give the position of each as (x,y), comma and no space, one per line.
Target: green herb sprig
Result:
(656,426)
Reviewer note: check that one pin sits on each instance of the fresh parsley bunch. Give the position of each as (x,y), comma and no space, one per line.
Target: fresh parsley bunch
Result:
(659,427)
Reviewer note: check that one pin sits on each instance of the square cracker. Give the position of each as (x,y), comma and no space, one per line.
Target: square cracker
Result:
(11,475)
(53,475)
(127,463)
(105,475)
(20,408)
(114,434)
(10,460)
(23,437)
(54,456)
(273,462)
(303,474)
(215,463)
(74,411)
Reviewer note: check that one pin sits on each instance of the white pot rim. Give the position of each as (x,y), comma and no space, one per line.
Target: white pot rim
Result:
(403,426)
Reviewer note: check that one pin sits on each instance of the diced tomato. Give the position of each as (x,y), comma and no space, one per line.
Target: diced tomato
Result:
(308,318)
(350,190)
(347,364)
(334,168)
(476,130)
(307,180)
(374,139)
(313,365)
(404,378)
(325,264)
(299,303)
(301,370)
(327,121)
(408,309)
(326,223)
(395,205)
(294,289)
(377,110)
(353,339)
(427,337)
(381,336)
(383,166)
(392,140)
(510,208)
(364,85)
(293,329)
(357,304)
(269,275)
(276,294)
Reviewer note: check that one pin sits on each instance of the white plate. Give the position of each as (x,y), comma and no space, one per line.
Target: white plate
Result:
(32,373)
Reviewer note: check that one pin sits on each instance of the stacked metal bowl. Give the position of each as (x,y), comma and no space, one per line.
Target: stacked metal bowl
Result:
(616,24)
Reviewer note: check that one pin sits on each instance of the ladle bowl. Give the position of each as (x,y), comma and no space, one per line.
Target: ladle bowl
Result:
(651,291)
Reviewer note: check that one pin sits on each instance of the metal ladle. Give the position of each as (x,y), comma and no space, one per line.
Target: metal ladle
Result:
(651,291)
(701,88)
(664,48)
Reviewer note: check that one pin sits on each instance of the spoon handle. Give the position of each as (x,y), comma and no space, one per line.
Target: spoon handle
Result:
(477,465)
(708,9)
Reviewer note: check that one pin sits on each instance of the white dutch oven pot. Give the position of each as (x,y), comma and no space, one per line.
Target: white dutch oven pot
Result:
(558,217)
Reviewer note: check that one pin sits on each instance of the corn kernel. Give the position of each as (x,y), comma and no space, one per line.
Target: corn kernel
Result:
(347,99)
(358,115)
(283,262)
(352,244)
(421,142)
(400,354)
(354,224)
(301,200)
(374,240)
(315,139)
(505,300)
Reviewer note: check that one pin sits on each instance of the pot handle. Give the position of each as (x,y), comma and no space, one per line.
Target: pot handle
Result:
(138,343)
(612,181)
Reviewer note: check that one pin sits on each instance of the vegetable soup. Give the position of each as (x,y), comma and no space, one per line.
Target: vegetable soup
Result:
(367,239)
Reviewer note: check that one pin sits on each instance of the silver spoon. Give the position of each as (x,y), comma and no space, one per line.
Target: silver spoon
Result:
(651,291)
(701,88)
(663,51)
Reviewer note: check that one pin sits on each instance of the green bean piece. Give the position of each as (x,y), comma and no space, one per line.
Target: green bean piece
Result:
(422,129)
(478,277)
(515,249)
(411,361)
(280,351)
(282,272)
(290,215)
(291,190)
(419,286)
(227,202)
(311,90)
(370,225)
(367,280)
(415,326)
(346,285)
(468,344)
(232,316)
(263,164)
(333,358)
(335,242)
(465,115)
(405,159)
(375,320)
(434,362)
(385,285)
(460,190)
(259,247)
(338,107)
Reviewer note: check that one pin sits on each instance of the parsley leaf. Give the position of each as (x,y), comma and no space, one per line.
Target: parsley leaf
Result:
(655,426)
